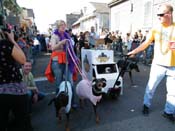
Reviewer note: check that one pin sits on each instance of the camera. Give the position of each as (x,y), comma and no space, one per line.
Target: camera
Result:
(3,26)
(6,30)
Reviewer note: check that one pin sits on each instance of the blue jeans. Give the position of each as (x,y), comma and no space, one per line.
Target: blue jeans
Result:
(30,93)
(59,71)
(41,95)
(157,73)
(149,52)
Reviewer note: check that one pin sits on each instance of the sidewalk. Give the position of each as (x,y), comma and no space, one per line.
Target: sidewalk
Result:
(40,64)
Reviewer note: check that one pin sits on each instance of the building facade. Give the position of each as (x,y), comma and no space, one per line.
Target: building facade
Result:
(72,18)
(95,14)
(131,15)
(27,21)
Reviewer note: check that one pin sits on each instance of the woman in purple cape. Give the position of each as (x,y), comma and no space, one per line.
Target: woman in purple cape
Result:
(61,40)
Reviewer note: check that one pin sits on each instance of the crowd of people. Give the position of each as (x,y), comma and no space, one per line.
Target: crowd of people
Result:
(18,90)
(121,44)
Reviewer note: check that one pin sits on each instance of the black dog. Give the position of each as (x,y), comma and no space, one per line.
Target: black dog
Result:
(63,100)
(127,65)
(59,101)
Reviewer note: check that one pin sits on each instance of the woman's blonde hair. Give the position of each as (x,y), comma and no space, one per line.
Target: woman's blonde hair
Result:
(59,23)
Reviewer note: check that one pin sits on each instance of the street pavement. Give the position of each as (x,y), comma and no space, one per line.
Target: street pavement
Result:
(122,114)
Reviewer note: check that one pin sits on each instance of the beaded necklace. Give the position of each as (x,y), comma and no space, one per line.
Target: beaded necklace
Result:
(170,38)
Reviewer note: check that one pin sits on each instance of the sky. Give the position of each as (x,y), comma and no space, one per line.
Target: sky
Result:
(48,11)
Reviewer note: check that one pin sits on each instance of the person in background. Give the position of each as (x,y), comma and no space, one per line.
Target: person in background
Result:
(81,42)
(13,93)
(163,64)
(119,42)
(86,39)
(47,39)
(75,40)
(108,40)
(92,37)
(34,94)
(21,40)
(36,47)
(128,41)
(43,43)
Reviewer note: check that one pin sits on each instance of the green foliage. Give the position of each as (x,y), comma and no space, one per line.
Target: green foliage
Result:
(12,6)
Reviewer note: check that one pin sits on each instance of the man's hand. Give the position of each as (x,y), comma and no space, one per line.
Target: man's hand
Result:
(35,98)
(131,53)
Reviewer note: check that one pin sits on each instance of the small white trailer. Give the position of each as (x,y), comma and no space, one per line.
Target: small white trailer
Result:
(98,63)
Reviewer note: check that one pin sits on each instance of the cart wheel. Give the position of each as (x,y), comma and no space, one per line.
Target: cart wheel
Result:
(114,96)
(115,93)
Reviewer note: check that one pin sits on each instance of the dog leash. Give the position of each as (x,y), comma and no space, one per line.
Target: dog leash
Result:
(66,87)
(117,82)
(76,64)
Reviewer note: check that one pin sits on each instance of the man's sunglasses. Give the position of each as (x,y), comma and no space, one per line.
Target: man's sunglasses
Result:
(161,15)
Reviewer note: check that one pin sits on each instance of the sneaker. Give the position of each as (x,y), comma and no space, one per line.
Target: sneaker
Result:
(169,116)
(145,110)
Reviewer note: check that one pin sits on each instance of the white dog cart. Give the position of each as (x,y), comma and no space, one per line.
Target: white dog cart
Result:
(100,64)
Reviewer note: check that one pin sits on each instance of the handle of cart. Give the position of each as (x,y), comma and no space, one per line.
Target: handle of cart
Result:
(125,57)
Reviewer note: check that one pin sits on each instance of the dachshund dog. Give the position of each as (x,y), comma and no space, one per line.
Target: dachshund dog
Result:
(127,66)
(92,91)
(63,101)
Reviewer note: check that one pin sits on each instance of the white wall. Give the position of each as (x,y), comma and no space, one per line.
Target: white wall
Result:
(124,20)
(120,17)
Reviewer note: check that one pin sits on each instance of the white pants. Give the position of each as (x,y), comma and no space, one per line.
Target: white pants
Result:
(157,73)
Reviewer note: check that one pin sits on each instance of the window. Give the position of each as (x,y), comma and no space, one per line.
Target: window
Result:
(106,69)
(148,14)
